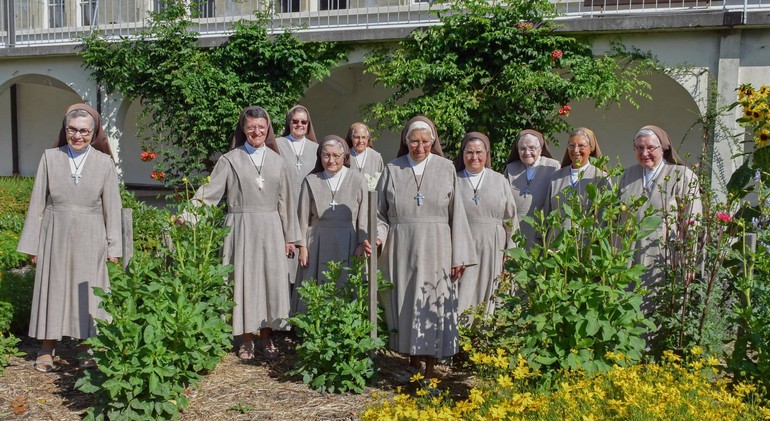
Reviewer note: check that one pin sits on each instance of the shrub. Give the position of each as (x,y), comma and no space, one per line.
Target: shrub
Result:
(168,324)
(336,350)
(579,297)
(8,342)
(148,223)
(16,289)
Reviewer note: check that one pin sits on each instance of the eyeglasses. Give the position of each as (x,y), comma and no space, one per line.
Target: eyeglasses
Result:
(649,149)
(83,132)
(573,146)
(255,129)
(302,122)
(530,150)
(417,142)
(470,154)
(362,137)
(334,156)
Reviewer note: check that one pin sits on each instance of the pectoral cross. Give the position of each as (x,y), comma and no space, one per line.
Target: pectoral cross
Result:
(299,166)
(476,199)
(333,204)
(260,182)
(419,198)
(526,191)
(76,177)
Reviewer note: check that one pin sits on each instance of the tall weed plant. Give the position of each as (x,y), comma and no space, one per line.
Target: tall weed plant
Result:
(577,296)
(168,324)
(336,353)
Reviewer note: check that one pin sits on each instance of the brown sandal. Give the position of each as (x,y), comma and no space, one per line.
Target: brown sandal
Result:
(270,351)
(246,351)
(44,361)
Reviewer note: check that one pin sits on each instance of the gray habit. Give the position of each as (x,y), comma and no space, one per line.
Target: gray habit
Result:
(561,181)
(666,197)
(72,229)
(493,220)
(261,222)
(297,174)
(372,165)
(330,235)
(420,245)
(537,193)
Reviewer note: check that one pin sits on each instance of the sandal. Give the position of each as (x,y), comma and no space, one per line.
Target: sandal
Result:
(44,361)
(270,351)
(246,351)
(85,355)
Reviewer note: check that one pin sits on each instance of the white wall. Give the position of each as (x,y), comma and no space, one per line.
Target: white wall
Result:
(6,149)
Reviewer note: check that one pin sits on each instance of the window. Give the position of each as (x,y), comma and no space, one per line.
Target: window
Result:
(159,6)
(203,8)
(88,12)
(56,14)
(288,6)
(333,4)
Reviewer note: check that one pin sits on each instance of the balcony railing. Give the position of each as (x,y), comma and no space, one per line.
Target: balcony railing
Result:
(51,22)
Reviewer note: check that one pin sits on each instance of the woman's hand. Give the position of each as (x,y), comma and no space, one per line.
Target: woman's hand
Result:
(457,272)
(33,259)
(303,256)
(364,249)
(113,260)
(290,250)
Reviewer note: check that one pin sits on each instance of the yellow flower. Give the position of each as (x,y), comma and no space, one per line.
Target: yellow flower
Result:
(504,380)
(421,392)
(417,377)
(434,382)
(467,347)
(696,350)
(742,389)
(762,138)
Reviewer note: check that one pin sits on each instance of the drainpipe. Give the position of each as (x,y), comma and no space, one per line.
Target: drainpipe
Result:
(14,130)
(10,23)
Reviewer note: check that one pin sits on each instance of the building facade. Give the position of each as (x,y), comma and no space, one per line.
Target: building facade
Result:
(709,48)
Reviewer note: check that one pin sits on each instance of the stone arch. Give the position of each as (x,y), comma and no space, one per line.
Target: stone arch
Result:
(40,103)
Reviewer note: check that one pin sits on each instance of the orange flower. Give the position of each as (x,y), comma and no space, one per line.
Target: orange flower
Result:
(564,110)
(158,175)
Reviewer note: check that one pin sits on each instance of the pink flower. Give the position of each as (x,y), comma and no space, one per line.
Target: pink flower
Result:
(724,217)
(564,110)
(556,54)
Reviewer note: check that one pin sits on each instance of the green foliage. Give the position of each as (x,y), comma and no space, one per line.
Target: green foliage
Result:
(167,326)
(16,288)
(148,222)
(8,342)
(578,298)
(14,201)
(191,97)
(336,350)
(498,68)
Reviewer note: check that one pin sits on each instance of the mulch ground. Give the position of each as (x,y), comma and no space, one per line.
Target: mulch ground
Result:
(257,390)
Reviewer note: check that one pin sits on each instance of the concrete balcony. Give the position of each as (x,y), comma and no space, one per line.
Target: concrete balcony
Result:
(45,23)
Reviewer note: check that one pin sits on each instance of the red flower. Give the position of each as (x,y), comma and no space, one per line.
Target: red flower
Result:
(148,156)
(525,25)
(564,110)
(724,217)
(556,54)
(158,175)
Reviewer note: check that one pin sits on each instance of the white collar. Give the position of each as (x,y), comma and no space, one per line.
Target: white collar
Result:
(250,149)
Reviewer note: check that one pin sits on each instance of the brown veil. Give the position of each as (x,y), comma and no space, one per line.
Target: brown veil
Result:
(544,149)
(310,135)
(596,152)
(403,149)
(99,138)
(239,138)
(460,162)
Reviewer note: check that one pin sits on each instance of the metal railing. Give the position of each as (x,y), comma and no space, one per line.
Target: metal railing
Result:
(51,22)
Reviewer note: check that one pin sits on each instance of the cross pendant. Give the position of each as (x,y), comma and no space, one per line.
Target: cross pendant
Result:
(299,166)
(260,182)
(333,204)
(419,198)
(526,191)
(76,177)
(476,198)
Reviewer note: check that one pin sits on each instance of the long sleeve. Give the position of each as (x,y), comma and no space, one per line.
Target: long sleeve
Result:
(362,219)
(304,212)
(510,217)
(287,210)
(463,253)
(212,192)
(30,235)
(112,215)
(383,224)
